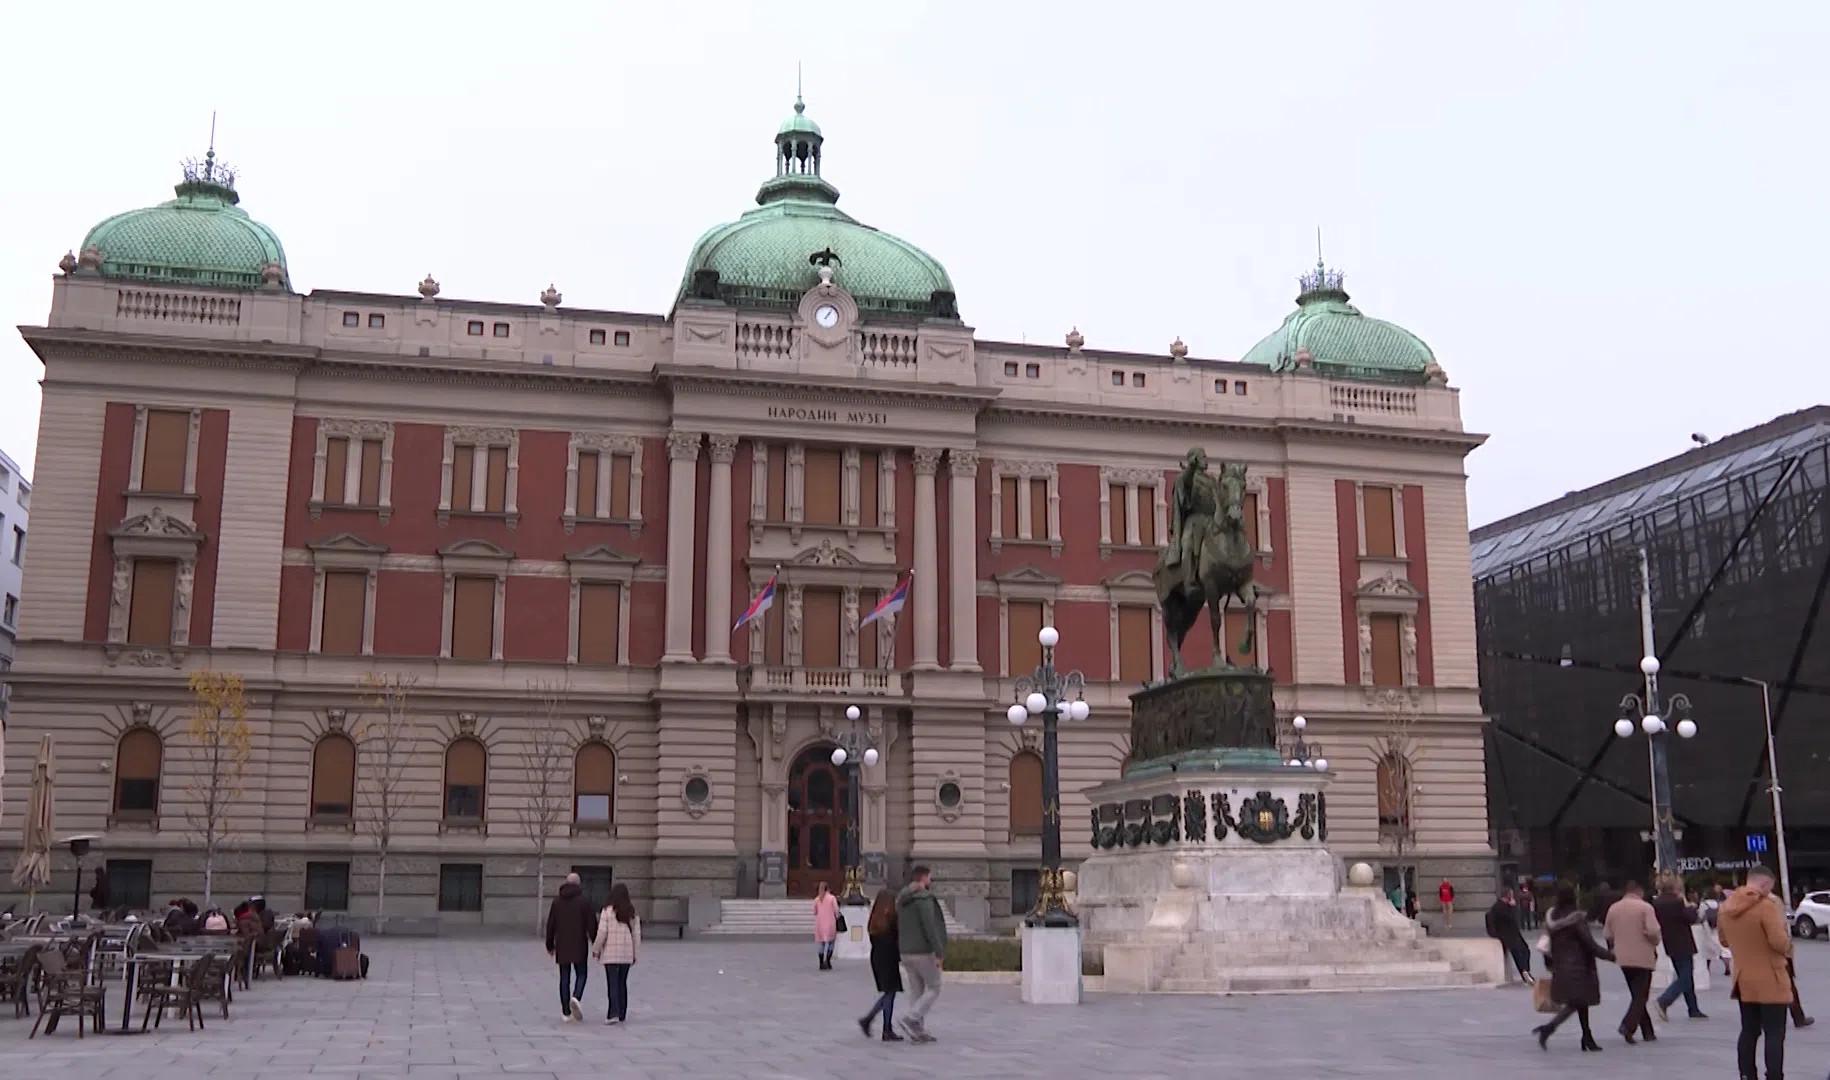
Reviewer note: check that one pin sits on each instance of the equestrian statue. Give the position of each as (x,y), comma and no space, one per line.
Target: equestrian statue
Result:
(1208,560)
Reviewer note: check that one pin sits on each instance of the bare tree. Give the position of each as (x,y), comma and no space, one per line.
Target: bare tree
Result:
(1394,752)
(221,745)
(385,743)
(546,758)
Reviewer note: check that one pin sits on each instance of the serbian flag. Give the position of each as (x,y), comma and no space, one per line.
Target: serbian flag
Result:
(764,600)
(889,605)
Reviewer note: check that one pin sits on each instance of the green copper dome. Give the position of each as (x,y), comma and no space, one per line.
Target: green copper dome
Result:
(1329,333)
(772,255)
(199,238)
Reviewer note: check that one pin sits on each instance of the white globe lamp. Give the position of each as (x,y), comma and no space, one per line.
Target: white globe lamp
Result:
(1035,702)
(838,756)
(1648,665)
(1687,729)
(1623,727)
(1081,710)
(1300,722)
(1016,714)
(852,713)
(870,756)
(1652,725)
(1321,764)
(1048,636)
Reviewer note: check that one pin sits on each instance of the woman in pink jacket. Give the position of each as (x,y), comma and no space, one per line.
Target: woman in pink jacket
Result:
(825,924)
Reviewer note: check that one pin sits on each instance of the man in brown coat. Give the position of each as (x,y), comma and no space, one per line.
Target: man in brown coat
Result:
(1755,931)
(1633,934)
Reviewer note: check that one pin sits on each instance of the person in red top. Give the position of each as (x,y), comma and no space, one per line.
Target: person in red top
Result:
(1446,893)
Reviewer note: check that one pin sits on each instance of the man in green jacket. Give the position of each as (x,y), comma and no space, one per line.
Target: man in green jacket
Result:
(922,934)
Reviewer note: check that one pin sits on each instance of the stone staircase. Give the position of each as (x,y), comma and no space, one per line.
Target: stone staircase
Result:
(1214,965)
(784,918)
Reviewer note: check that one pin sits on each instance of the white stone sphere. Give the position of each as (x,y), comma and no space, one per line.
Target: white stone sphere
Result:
(1360,875)
(1182,875)
(1070,881)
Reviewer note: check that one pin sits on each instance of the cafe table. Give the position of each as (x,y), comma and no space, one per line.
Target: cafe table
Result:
(178,957)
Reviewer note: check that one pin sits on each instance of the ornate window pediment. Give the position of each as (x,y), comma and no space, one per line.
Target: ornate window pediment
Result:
(602,560)
(1388,593)
(1027,583)
(347,550)
(475,556)
(156,534)
(826,554)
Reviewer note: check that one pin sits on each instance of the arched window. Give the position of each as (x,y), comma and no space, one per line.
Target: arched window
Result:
(1025,793)
(333,777)
(466,765)
(594,785)
(137,763)
(1394,781)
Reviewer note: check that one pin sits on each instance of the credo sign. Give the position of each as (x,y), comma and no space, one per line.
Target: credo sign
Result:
(1703,864)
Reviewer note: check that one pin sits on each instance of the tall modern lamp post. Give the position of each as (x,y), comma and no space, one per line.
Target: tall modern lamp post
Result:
(854,750)
(1055,696)
(1773,788)
(1642,711)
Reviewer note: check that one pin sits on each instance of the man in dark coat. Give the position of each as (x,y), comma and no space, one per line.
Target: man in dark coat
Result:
(570,925)
(1503,926)
(1675,918)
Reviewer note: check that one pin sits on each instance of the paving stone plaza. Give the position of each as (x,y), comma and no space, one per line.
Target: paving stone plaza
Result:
(438,1010)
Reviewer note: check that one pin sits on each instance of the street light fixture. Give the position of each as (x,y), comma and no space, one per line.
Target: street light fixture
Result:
(854,749)
(1658,729)
(1054,696)
(1773,788)
(1299,752)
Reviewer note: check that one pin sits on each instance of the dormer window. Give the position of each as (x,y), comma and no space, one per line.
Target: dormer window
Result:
(1118,378)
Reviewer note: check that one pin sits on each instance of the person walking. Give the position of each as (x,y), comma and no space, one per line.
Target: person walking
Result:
(1632,932)
(1503,926)
(1675,919)
(825,924)
(1574,982)
(1445,895)
(615,945)
(1797,1008)
(886,964)
(921,934)
(568,937)
(1710,909)
(1754,929)
(1528,907)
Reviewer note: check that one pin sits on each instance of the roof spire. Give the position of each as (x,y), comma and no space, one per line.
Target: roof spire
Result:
(1321,283)
(799,105)
(209,178)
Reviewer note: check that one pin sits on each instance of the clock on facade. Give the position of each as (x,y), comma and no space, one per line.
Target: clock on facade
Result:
(826,315)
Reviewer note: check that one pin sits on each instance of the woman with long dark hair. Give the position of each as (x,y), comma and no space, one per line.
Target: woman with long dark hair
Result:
(1574,983)
(618,939)
(886,964)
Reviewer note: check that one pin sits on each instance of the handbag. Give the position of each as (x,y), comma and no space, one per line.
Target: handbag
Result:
(1544,944)
(839,923)
(1540,996)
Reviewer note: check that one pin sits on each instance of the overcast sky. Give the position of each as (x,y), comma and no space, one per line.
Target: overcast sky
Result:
(1604,217)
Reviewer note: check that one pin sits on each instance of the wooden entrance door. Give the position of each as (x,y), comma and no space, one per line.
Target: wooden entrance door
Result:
(816,822)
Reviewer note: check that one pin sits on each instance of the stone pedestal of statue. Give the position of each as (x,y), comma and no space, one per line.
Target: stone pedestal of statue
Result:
(1051,965)
(854,941)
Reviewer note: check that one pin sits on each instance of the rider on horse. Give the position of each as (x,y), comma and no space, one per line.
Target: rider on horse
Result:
(1194,504)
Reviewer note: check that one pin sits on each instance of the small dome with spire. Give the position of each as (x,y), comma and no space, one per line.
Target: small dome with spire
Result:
(202,237)
(798,122)
(1330,335)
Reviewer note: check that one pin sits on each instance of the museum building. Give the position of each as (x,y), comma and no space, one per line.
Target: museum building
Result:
(537,525)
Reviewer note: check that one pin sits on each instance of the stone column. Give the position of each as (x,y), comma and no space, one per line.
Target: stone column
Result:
(718,552)
(926,585)
(682,480)
(963,525)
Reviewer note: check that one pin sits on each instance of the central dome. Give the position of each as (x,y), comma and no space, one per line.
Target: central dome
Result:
(199,238)
(1329,333)
(772,255)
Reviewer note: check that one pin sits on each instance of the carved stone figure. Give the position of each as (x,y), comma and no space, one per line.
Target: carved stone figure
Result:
(793,621)
(1366,651)
(1208,561)
(1410,642)
(849,626)
(118,596)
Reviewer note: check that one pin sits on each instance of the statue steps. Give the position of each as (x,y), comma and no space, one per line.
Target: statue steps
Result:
(1300,980)
(784,918)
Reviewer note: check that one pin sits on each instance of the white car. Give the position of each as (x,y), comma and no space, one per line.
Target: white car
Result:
(1812,916)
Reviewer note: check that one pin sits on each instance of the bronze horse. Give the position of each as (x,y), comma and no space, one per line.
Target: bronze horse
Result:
(1207,520)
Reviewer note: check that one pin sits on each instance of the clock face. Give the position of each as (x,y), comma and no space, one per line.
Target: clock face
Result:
(826,315)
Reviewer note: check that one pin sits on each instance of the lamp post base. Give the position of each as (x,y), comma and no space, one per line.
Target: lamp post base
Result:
(1051,965)
(854,941)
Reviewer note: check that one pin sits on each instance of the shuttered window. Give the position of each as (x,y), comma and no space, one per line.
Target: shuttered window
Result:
(821,611)
(1134,643)
(869,472)
(1007,507)
(1250,512)
(460,885)
(167,451)
(333,776)
(867,635)
(495,493)
(1038,509)
(1115,514)
(336,469)
(463,471)
(778,483)
(600,605)
(775,641)
(586,503)
(821,471)
(594,784)
(1387,650)
(1236,627)
(619,486)
(1146,516)
(466,766)
(473,618)
(149,614)
(346,595)
(1022,652)
(369,478)
(1025,794)
(1381,523)
(138,759)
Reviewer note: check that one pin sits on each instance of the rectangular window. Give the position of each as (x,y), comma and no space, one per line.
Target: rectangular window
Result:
(129,883)
(463,471)
(1032,371)
(352,318)
(460,887)
(475,328)
(600,605)
(778,483)
(1115,513)
(336,469)
(822,470)
(821,614)
(1007,507)
(18,545)
(1134,643)
(587,483)
(1250,513)
(619,487)
(597,337)
(1038,509)
(1387,650)
(368,476)
(1022,652)
(1025,890)
(495,493)
(473,618)
(345,600)
(1137,379)
(867,636)
(327,886)
(1118,378)
(1381,523)
(11,615)
(149,613)
(1219,386)
(1146,516)
(622,339)
(869,470)
(775,650)
(1239,388)
(377,322)
(167,451)
(596,881)
(501,329)
(1010,369)
(1236,628)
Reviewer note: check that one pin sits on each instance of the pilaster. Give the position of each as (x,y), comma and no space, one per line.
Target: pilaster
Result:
(963,529)
(683,478)
(926,586)
(718,552)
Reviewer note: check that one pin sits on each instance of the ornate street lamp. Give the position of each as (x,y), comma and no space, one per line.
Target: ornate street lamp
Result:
(1642,711)
(1055,696)
(1298,752)
(854,750)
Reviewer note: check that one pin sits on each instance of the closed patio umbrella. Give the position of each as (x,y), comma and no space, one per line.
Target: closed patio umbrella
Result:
(33,870)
